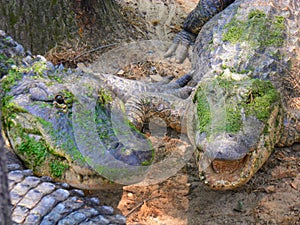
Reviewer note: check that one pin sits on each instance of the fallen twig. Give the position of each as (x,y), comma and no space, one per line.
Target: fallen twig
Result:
(94,49)
(139,205)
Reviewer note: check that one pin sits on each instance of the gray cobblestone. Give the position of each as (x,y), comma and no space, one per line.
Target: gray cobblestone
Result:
(63,185)
(61,194)
(77,192)
(94,201)
(118,219)
(14,177)
(14,166)
(32,219)
(46,187)
(44,206)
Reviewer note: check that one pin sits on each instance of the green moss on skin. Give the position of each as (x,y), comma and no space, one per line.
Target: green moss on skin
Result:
(233,119)
(203,110)
(10,80)
(33,150)
(260,99)
(68,145)
(58,168)
(258,30)
(10,109)
(38,68)
(257,102)
(37,154)
(6,63)
(68,97)
(104,97)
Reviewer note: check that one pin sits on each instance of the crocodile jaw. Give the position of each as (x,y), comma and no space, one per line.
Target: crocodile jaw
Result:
(220,174)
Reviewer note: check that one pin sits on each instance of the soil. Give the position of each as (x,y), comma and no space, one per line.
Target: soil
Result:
(271,197)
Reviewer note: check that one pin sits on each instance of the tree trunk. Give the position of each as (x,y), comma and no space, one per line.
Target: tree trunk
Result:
(37,24)
(4,194)
(40,24)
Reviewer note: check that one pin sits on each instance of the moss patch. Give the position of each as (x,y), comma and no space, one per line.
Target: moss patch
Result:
(260,99)
(68,97)
(63,142)
(34,150)
(203,110)
(104,97)
(38,68)
(5,64)
(10,80)
(257,101)
(258,30)
(57,168)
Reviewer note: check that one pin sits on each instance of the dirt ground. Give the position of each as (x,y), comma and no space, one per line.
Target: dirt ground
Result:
(271,197)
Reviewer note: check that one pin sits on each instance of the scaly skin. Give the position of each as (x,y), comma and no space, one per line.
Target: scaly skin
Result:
(39,200)
(248,40)
(49,117)
(235,154)
(203,12)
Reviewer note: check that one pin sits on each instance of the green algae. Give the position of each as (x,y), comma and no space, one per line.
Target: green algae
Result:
(258,101)
(258,30)
(10,80)
(38,68)
(58,168)
(64,143)
(104,97)
(34,150)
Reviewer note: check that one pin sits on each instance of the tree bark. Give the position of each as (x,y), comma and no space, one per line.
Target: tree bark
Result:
(37,24)
(40,24)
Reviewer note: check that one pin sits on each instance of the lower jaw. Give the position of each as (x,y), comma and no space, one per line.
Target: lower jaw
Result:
(228,175)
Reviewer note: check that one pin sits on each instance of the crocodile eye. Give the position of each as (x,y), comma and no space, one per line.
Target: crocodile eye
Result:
(59,99)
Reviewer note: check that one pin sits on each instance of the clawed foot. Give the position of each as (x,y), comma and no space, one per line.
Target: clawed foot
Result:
(179,88)
(181,45)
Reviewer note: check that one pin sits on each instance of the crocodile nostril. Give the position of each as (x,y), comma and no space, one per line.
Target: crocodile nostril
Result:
(231,136)
(115,145)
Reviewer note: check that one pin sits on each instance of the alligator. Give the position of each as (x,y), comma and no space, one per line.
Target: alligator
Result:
(240,100)
(39,200)
(246,70)
(245,96)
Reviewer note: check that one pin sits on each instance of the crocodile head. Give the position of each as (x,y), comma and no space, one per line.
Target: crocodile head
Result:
(238,123)
(68,126)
